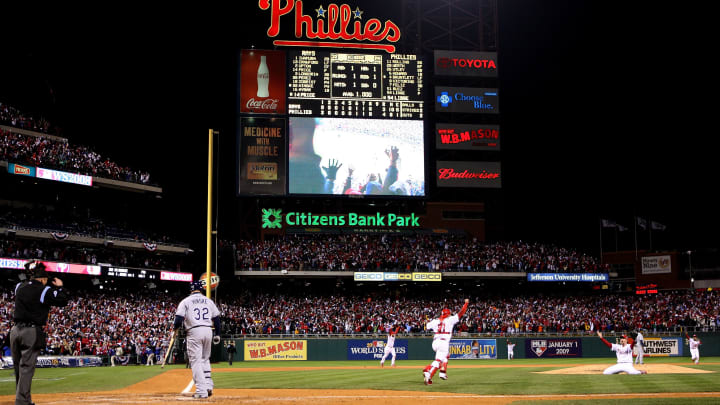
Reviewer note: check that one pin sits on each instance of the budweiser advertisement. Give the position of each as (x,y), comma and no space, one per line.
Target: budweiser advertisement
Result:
(466,100)
(457,63)
(262,82)
(262,156)
(467,137)
(468,174)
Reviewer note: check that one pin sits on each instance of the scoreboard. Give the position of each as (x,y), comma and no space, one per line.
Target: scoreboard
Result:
(354,85)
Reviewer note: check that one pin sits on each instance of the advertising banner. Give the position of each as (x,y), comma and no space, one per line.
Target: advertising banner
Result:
(55,267)
(366,349)
(392,276)
(275,350)
(459,63)
(175,276)
(547,348)
(468,174)
(663,347)
(64,177)
(656,264)
(466,100)
(21,170)
(262,156)
(480,349)
(467,137)
(577,277)
(262,82)
(58,361)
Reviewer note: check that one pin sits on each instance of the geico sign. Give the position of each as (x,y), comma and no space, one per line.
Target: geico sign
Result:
(397,276)
(368,276)
(427,276)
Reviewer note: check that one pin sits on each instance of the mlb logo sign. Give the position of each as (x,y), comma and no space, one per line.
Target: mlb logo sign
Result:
(538,347)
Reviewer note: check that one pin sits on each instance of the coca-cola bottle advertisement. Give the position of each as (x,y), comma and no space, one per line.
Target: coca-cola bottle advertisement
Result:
(262,82)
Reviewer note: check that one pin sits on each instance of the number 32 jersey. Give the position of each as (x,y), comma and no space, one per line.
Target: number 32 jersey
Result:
(197,310)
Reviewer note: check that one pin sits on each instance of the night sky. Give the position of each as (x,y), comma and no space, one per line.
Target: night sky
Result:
(602,114)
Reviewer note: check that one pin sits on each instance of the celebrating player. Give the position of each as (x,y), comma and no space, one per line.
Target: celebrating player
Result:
(511,349)
(198,314)
(624,357)
(694,348)
(390,347)
(443,328)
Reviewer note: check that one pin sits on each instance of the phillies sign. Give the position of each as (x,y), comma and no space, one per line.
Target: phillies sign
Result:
(457,63)
(335,23)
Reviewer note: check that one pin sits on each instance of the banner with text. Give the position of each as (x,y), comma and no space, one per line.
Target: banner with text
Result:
(366,349)
(663,347)
(466,100)
(656,264)
(467,137)
(262,156)
(479,349)
(468,174)
(575,277)
(275,350)
(21,170)
(391,276)
(464,63)
(547,348)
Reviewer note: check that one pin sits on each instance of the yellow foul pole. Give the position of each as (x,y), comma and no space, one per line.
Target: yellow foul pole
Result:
(209,213)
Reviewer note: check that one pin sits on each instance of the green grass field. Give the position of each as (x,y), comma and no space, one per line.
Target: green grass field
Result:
(483,381)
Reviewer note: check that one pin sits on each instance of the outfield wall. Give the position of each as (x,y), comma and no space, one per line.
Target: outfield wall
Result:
(486,348)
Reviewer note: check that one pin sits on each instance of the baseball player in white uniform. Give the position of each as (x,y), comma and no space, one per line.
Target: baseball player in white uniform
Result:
(511,350)
(390,347)
(443,328)
(694,348)
(639,348)
(624,357)
(198,314)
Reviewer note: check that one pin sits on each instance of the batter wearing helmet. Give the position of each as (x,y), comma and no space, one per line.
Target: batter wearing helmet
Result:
(443,328)
(198,314)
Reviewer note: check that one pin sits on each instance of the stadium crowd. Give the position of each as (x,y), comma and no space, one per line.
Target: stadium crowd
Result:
(409,253)
(48,153)
(87,254)
(98,322)
(13,117)
(63,221)
(265,313)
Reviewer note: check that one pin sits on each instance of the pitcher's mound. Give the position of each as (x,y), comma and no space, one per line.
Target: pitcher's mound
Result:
(650,368)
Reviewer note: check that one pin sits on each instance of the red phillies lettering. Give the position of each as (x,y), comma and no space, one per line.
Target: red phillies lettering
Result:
(339,24)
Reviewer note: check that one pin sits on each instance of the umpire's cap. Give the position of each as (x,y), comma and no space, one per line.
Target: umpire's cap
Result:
(196,286)
(38,269)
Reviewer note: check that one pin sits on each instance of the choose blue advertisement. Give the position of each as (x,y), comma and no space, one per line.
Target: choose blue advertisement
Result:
(367,349)
(478,349)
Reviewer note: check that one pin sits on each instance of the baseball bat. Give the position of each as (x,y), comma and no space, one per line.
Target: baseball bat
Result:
(169,349)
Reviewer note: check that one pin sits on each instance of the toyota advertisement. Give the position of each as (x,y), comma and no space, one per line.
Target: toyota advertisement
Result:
(457,63)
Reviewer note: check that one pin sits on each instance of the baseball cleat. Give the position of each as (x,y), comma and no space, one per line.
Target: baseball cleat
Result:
(426,376)
(199,396)
(209,393)
(443,376)
(382,365)
(643,372)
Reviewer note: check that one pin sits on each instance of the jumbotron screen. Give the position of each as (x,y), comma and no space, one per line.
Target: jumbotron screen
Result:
(344,156)
(354,85)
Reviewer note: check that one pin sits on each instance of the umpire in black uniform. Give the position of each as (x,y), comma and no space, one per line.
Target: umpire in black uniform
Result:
(33,300)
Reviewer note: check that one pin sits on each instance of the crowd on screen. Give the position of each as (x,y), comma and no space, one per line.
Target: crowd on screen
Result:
(63,221)
(409,253)
(52,154)
(97,322)
(13,117)
(56,251)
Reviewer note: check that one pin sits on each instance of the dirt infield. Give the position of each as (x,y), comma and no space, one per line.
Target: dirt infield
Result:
(166,389)
(650,368)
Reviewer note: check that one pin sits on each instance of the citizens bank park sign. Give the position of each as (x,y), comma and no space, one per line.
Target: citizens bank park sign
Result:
(337,26)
